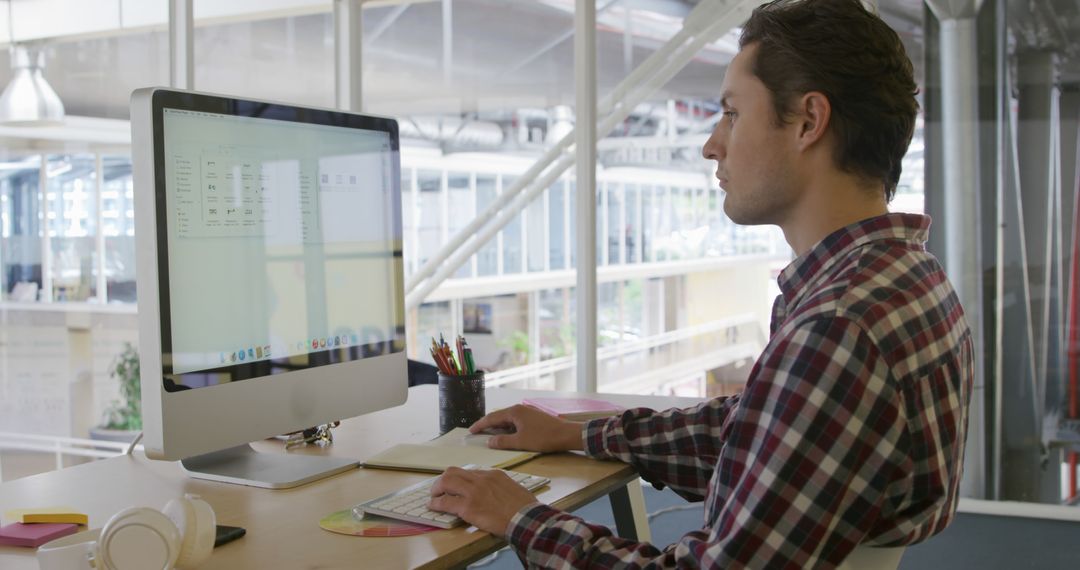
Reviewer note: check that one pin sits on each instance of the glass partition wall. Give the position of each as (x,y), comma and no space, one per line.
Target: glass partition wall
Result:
(67,228)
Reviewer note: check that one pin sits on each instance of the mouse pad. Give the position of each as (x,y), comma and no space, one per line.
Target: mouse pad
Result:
(343,522)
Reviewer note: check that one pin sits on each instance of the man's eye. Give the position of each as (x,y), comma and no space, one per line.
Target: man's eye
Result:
(730,115)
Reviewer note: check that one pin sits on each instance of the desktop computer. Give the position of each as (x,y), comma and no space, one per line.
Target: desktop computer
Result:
(270,275)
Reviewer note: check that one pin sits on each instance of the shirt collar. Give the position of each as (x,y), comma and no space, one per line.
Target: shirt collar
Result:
(910,228)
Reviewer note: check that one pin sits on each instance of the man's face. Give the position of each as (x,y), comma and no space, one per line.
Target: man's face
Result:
(753,153)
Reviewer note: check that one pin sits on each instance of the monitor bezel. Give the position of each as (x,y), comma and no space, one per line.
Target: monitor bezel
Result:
(188,423)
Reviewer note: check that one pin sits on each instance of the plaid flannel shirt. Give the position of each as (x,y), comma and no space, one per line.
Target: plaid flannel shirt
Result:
(850,429)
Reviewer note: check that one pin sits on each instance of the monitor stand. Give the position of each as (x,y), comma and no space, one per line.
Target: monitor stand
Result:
(243,465)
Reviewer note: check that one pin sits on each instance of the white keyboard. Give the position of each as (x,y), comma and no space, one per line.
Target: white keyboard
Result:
(410,503)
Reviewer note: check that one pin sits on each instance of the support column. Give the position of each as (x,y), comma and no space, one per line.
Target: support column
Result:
(959,130)
(1069,103)
(1023,479)
(181,44)
(585,143)
(348,52)
(447,42)
(992,40)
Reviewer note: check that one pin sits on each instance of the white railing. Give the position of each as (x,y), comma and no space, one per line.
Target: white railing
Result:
(563,363)
(60,446)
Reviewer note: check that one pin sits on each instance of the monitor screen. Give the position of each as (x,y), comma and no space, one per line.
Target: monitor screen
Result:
(271,283)
(283,245)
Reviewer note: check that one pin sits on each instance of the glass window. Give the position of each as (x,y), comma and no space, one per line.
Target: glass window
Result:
(608,314)
(71,197)
(432,320)
(20,227)
(408,220)
(649,217)
(616,226)
(429,232)
(602,222)
(118,226)
(511,237)
(632,233)
(557,225)
(462,210)
(537,232)
(487,260)
(557,326)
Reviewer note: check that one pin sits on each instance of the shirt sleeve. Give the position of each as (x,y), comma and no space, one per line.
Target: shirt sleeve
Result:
(677,447)
(816,439)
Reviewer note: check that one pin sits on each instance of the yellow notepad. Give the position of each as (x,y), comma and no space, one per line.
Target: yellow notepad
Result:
(47,515)
(454,448)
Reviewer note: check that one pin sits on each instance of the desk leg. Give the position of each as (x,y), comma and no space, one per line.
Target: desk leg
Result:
(628,506)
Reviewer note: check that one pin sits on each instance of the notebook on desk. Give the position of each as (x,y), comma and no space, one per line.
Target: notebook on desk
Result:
(575,409)
(455,448)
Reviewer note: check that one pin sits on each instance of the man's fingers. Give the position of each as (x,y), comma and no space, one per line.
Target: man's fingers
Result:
(505,441)
(496,419)
(452,504)
(454,481)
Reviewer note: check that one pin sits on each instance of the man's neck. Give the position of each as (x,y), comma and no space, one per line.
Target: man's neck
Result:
(828,205)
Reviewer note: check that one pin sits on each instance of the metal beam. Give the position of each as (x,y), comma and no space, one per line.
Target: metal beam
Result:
(552,43)
(585,143)
(385,24)
(447,42)
(960,140)
(348,55)
(181,44)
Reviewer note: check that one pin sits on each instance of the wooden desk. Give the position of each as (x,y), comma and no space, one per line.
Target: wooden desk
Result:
(283,526)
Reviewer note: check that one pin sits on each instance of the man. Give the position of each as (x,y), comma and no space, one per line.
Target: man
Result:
(851,427)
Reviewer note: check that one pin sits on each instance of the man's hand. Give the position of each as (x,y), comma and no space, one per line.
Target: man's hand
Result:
(487,499)
(532,430)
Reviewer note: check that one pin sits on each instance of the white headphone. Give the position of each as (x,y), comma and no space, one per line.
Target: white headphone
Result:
(138,538)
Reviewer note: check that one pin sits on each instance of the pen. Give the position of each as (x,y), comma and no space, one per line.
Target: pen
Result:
(461,354)
(471,366)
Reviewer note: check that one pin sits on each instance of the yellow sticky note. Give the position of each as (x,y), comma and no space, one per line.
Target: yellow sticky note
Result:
(47,515)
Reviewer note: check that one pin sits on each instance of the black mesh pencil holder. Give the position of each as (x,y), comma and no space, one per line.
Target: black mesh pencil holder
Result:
(461,400)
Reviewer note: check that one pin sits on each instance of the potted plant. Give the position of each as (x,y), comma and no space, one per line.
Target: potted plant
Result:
(123,418)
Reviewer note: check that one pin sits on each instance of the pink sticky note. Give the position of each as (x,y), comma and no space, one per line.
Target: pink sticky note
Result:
(35,534)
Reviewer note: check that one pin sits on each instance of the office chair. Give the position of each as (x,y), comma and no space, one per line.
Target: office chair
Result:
(422,373)
(866,557)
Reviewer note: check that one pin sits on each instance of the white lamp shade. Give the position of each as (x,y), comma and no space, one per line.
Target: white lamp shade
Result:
(29,100)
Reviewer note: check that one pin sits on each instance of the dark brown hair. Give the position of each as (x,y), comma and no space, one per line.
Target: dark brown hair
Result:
(857,61)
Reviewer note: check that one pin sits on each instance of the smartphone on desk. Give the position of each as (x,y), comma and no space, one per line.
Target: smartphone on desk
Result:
(226,534)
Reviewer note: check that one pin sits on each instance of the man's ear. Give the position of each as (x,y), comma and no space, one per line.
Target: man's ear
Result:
(814,114)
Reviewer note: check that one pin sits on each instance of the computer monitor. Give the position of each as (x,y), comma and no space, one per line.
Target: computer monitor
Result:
(271,293)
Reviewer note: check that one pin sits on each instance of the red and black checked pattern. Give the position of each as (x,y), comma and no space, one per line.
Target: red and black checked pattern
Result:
(850,429)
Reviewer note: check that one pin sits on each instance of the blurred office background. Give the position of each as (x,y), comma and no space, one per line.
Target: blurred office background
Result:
(483,90)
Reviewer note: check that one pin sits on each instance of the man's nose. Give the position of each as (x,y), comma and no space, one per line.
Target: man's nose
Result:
(713,148)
